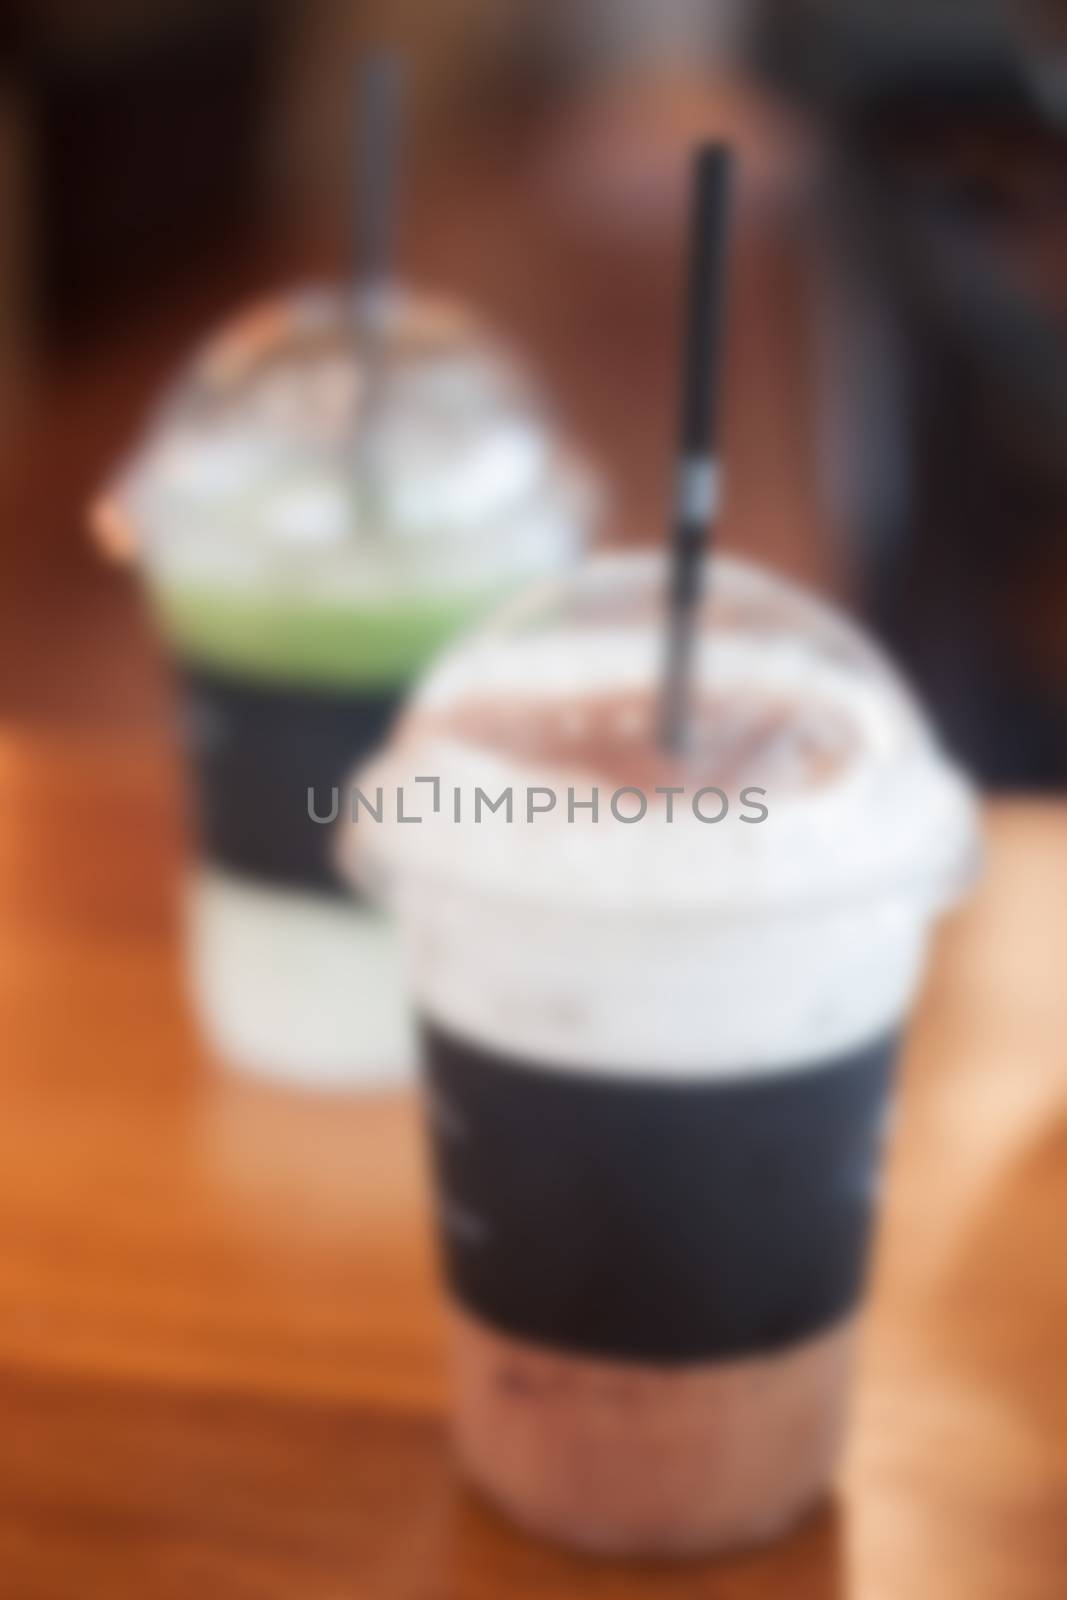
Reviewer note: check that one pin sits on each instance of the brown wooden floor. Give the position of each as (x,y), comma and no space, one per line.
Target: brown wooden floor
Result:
(220,1339)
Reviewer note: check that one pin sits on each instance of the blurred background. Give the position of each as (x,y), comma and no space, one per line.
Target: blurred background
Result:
(896,403)
(220,1337)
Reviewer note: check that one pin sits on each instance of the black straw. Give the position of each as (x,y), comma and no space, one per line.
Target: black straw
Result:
(375,169)
(698,474)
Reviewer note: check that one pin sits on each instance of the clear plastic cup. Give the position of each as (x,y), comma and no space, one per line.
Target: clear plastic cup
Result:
(317,506)
(659,1038)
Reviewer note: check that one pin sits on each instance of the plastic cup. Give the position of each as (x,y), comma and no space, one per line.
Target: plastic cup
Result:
(311,527)
(659,1039)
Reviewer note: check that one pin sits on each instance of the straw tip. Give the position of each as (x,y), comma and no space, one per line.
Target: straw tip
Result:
(378,76)
(378,59)
(714,162)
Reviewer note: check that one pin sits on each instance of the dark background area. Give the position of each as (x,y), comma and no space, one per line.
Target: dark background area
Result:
(897,411)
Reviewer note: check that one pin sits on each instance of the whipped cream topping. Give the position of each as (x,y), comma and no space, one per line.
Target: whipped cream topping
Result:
(679,948)
(888,814)
(297,446)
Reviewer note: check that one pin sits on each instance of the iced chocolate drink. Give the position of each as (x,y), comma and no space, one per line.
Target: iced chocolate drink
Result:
(661,1005)
(316,512)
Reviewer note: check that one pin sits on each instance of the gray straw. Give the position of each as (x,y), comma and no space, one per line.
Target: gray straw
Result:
(697,484)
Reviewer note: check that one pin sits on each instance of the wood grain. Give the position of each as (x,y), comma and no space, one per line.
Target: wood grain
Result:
(220,1344)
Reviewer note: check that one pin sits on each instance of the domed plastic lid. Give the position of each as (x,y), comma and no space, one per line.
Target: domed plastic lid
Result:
(298,450)
(810,775)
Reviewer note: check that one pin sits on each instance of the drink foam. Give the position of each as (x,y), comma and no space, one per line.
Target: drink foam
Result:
(277,475)
(670,947)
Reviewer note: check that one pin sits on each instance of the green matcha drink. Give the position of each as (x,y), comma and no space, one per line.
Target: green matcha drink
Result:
(323,644)
(314,521)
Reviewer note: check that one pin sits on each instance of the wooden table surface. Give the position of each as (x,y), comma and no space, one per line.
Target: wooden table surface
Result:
(220,1365)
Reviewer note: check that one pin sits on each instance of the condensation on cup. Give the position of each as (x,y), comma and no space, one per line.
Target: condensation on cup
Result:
(659,1054)
(315,512)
